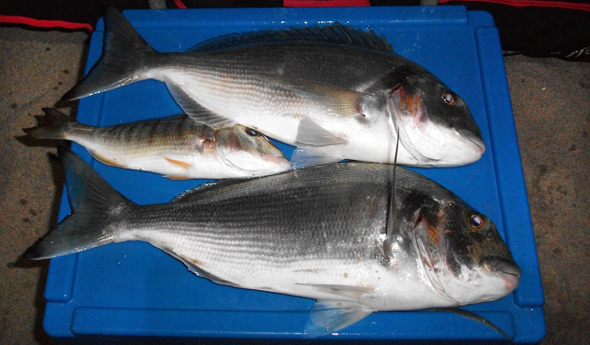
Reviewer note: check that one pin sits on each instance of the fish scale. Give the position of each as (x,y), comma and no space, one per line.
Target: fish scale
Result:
(174,146)
(262,229)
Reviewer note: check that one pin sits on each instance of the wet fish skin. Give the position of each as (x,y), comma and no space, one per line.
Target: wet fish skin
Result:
(347,66)
(278,84)
(316,233)
(174,146)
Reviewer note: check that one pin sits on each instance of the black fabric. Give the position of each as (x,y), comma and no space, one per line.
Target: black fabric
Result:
(540,31)
(531,30)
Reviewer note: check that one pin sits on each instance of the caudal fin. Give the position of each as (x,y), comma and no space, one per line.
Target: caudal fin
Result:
(54,125)
(96,206)
(124,53)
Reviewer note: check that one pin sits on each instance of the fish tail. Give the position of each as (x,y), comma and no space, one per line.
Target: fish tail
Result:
(96,209)
(124,54)
(54,125)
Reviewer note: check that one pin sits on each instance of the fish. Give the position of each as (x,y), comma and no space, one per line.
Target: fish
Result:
(334,92)
(174,146)
(318,232)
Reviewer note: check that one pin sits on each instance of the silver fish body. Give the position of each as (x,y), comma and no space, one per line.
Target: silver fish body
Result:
(175,146)
(335,92)
(316,233)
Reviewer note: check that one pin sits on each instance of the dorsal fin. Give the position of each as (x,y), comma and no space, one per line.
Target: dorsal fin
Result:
(330,34)
(195,193)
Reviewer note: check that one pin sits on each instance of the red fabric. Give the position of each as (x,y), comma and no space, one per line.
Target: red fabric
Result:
(179,4)
(44,23)
(530,3)
(325,3)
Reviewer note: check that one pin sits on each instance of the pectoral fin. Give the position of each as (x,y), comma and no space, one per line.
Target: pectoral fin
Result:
(343,292)
(196,111)
(331,316)
(310,133)
(308,156)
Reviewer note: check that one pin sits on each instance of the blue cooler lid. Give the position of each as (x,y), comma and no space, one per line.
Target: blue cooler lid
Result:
(135,290)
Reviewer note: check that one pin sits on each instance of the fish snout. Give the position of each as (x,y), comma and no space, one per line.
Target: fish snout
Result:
(477,142)
(506,269)
(279,161)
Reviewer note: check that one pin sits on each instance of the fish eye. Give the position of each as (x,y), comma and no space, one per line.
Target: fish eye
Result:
(448,97)
(475,220)
(252,132)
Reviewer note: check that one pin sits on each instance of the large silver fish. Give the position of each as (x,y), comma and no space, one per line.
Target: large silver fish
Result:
(318,233)
(335,92)
(175,146)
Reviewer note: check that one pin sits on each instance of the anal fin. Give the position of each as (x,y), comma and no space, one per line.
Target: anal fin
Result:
(343,292)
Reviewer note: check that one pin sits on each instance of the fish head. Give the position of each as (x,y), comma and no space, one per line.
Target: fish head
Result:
(249,151)
(436,126)
(461,252)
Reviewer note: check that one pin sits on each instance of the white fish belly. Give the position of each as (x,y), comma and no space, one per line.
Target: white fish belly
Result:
(172,159)
(247,102)
(400,287)
(265,105)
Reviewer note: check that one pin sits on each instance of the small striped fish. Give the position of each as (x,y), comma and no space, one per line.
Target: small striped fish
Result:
(175,146)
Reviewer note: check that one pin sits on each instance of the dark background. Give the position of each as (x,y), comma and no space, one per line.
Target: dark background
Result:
(551,101)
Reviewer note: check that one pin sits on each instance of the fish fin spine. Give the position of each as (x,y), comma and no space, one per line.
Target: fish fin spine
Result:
(125,53)
(336,34)
(96,208)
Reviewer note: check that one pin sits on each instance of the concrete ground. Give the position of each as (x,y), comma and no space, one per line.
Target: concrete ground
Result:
(551,101)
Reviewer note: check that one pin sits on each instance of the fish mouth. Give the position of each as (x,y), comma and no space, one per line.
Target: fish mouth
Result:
(506,269)
(475,139)
(255,164)
(279,161)
(250,153)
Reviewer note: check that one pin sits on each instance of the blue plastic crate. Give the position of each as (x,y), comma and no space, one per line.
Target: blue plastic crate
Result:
(134,292)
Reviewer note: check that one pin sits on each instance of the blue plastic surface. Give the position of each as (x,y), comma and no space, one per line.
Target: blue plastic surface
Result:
(133,290)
